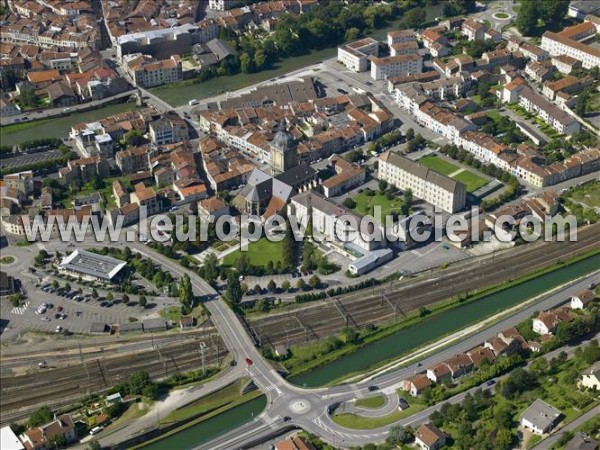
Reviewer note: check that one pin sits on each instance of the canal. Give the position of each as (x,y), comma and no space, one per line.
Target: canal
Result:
(178,95)
(58,127)
(390,347)
(211,428)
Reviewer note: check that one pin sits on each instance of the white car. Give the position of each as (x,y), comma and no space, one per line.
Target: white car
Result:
(58,329)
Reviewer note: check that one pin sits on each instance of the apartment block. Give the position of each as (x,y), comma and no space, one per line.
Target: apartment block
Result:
(429,185)
(396,66)
(355,55)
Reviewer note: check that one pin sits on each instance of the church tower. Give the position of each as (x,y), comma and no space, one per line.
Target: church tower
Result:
(284,153)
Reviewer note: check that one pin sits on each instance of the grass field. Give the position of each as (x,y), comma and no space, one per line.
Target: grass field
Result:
(260,253)
(438,164)
(377,401)
(358,422)
(468,178)
(206,404)
(365,203)
(588,194)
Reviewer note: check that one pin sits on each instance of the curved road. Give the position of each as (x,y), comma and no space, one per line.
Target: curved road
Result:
(308,408)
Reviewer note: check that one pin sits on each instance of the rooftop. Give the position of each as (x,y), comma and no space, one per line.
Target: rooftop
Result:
(89,263)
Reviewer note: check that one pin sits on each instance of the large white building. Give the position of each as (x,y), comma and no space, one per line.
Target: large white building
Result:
(396,66)
(355,55)
(556,44)
(328,221)
(429,185)
(146,71)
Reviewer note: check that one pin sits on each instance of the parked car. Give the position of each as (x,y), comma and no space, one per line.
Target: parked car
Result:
(58,329)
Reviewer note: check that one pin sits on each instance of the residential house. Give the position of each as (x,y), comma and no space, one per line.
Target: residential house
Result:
(348,175)
(416,384)
(213,207)
(590,377)
(42,436)
(146,197)
(582,299)
(439,373)
(430,437)
(546,322)
(540,417)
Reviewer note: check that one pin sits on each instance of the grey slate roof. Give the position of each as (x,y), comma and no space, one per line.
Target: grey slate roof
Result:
(541,414)
(421,171)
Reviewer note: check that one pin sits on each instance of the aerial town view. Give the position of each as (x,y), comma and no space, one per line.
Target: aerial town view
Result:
(299,224)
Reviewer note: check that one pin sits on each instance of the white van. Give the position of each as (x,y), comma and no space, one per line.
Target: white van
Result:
(193,102)
(95,430)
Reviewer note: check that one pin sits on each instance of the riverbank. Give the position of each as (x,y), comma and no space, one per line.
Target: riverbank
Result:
(297,371)
(571,269)
(58,127)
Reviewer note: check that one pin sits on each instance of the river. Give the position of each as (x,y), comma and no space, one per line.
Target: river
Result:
(401,342)
(58,127)
(179,95)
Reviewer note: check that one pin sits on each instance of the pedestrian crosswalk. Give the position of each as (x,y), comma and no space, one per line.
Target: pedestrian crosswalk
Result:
(20,310)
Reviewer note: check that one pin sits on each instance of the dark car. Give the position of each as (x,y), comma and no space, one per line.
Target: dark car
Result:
(342,91)
(372,388)
(233,363)
(286,418)
(491,383)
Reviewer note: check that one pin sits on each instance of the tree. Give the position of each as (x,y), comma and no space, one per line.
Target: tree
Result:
(349,203)
(400,435)
(110,297)
(301,284)
(351,34)
(414,18)
(504,439)
(138,381)
(410,134)
(126,298)
(58,441)
(94,293)
(27,97)
(40,417)
(246,63)
(94,445)
(143,301)
(382,185)
(539,367)
(132,138)
(260,60)
(233,292)
(186,294)
(314,281)
(285,285)
(271,286)
(54,284)
(581,106)
(257,289)
(211,268)
(67,287)
(349,335)
(527,16)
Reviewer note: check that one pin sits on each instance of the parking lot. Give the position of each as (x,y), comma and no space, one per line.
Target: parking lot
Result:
(21,159)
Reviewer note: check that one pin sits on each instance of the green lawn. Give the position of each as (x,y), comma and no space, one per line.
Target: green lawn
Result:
(468,178)
(207,404)
(365,203)
(438,164)
(377,401)
(357,422)
(588,194)
(260,253)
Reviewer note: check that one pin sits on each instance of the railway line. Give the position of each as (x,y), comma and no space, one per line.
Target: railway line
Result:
(389,302)
(65,385)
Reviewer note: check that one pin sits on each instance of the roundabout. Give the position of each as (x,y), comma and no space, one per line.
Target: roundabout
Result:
(300,406)
(5,260)
(501,16)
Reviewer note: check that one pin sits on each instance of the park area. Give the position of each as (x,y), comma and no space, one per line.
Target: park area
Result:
(587,194)
(368,199)
(466,177)
(259,253)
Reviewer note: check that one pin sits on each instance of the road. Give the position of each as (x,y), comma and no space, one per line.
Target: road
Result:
(551,440)
(308,408)
(56,112)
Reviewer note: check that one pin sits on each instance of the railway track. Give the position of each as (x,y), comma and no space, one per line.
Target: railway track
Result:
(66,385)
(399,298)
